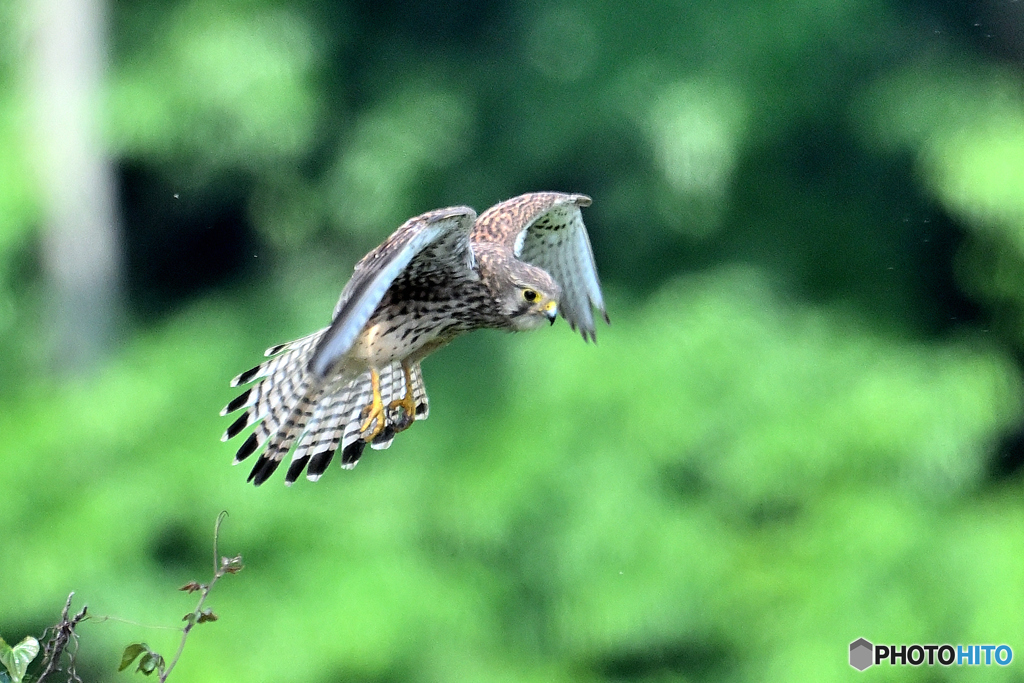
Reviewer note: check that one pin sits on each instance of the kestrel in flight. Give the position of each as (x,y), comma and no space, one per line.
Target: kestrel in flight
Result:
(441,274)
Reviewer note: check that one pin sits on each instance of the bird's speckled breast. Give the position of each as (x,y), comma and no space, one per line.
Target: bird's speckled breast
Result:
(399,332)
(410,325)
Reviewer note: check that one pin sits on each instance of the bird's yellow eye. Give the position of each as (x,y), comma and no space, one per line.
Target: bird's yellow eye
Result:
(529,295)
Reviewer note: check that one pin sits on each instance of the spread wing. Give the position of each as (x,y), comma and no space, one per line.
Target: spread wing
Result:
(546,229)
(432,243)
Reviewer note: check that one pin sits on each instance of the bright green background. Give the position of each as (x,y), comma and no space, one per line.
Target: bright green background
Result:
(802,427)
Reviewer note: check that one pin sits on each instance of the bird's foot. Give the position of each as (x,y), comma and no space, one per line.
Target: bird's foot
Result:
(407,403)
(374,417)
(374,420)
(408,406)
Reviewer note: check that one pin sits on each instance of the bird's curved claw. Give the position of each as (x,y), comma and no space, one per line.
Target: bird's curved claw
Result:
(408,406)
(373,421)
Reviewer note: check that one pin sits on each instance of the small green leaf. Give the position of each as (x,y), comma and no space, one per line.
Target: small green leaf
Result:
(190,618)
(17,658)
(150,662)
(130,653)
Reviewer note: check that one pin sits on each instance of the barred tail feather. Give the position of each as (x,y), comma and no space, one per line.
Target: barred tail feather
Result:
(338,429)
(290,362)
(279,405)
(309,340)
(321,438)
(419,393)
(295,413)
(332,425)
(283,427)
(392,387)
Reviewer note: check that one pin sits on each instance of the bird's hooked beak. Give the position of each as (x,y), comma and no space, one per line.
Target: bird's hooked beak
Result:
(551,311)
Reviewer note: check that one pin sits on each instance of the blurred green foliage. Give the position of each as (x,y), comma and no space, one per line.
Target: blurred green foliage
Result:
(803,426)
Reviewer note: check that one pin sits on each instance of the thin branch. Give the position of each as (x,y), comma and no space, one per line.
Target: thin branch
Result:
(107,617)
(221,566)
(216,537)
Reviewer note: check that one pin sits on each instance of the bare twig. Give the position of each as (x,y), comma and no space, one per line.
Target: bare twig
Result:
(63,634)
(221,566)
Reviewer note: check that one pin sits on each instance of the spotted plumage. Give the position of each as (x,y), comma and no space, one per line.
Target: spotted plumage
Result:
(358,382)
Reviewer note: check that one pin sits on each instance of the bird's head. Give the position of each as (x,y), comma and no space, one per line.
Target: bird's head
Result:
(529,297)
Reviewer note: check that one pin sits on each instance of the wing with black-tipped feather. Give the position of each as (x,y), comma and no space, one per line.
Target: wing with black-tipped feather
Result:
(436,242)
(546,229)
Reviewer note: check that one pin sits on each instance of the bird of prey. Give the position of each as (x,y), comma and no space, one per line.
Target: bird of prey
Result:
(441,274)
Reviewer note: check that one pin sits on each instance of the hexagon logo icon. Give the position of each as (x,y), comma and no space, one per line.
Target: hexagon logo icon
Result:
(861,654)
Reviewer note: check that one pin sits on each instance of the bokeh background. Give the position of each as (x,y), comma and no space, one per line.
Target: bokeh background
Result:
(803,426)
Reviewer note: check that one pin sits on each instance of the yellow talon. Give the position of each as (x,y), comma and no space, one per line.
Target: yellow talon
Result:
(406,403)
(374,411)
